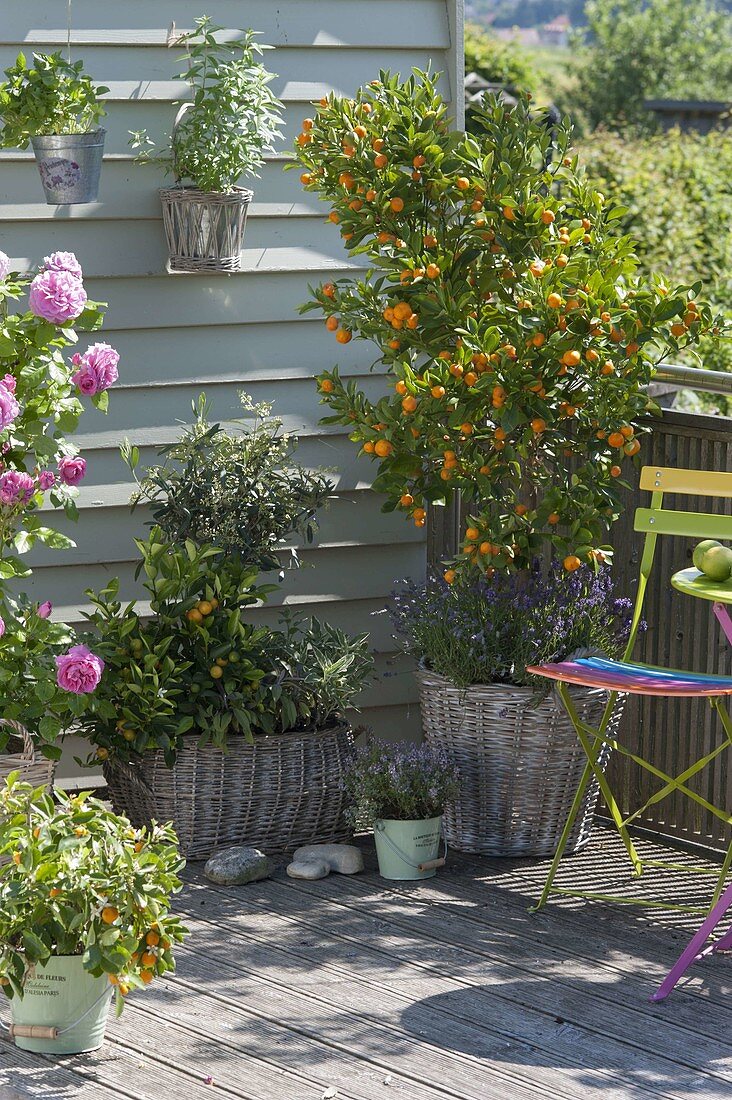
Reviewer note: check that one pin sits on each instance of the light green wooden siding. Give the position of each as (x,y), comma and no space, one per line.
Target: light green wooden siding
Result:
(182,334)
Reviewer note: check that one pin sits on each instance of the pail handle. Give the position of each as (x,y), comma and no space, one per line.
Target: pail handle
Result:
(39,1031)
(426,865)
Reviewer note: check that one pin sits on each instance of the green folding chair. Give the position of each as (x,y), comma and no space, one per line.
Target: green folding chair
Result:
(626,676)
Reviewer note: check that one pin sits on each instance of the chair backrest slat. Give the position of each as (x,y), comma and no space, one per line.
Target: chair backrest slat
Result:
(700,483)
(697,525)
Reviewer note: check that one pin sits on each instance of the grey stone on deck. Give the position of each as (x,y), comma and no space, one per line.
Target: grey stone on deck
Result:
(346,859)
(236,866)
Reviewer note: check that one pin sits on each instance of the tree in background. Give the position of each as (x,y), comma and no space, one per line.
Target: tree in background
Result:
(497,60)
(666,49)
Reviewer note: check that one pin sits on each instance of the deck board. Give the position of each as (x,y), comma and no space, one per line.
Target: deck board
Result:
(359,989)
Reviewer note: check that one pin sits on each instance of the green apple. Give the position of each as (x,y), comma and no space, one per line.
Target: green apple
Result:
(716,563)
(700,551)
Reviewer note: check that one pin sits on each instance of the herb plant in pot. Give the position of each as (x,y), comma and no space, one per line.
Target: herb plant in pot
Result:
(220,135)
(54,105)
(84,914)
(401,790)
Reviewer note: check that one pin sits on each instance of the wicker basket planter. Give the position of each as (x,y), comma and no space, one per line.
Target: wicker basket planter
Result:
(520,764)
(275,794)
(20,756)
(204,230)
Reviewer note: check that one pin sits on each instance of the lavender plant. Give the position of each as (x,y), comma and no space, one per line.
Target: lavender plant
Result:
(489,629)
(400,782)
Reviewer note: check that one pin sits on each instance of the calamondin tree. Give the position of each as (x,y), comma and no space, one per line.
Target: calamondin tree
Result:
(516,331)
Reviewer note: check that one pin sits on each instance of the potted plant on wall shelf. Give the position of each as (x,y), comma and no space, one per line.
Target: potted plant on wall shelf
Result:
(220,135)
(84,913)
(401,790)
(54,105)
(518,337)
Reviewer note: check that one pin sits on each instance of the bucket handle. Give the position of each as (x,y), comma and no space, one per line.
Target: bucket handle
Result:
(39,1031)
(426,865)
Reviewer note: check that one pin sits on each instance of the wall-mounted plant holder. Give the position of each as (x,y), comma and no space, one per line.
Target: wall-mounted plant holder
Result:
(204,230)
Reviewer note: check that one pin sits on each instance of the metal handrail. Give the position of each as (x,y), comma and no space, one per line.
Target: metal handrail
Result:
(695,378)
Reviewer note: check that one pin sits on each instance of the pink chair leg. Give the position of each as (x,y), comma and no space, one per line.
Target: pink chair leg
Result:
(697,942)
(724,620)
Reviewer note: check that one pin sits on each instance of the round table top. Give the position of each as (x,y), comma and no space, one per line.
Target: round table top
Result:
(694,583)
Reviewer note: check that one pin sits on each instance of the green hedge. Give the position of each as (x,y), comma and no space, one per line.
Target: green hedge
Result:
(678,192)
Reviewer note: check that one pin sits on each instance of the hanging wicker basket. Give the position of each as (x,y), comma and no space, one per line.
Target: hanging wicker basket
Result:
(20,756)
(276,794)
(520,764)
(204,230)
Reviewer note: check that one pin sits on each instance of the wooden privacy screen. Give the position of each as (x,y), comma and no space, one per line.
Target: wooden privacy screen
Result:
(682,633)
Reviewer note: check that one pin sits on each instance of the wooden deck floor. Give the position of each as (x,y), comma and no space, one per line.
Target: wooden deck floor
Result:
(356,989)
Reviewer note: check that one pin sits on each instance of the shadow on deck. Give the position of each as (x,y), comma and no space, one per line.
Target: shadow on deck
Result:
(358,989)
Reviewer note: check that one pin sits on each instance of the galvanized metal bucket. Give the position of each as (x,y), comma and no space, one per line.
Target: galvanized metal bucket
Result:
(69,166)
(63,1009)
(408,849)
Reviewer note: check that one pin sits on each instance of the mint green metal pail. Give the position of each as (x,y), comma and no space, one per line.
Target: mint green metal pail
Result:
(62,995)
(408,849)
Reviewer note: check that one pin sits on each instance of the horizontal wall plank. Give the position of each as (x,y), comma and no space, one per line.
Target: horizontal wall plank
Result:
(343,573)
(130,190)
(272,291)
(135,73)
(139,247)
(350,518)
(336,452)
(296,398)
(355,616)
(286,23)
(243,353)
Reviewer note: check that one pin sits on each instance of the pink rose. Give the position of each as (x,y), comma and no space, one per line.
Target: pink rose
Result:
(57,296)
(97,368)
(63,261)
(46,480)
(9,382)
(9,407)
(79,670)
(2,626)
(16,487)
(71,469)
(4,266)
(44,609)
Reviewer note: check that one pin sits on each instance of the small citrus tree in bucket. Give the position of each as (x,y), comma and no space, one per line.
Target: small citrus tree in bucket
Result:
(518,338)
(401,791)
(84,913)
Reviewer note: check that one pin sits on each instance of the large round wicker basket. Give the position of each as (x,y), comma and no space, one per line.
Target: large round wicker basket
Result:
(520,764)
(276,793)
(204,230)
(20,756)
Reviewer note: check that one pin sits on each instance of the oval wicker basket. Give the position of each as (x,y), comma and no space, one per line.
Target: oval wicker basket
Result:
(276,793)
(520,764)
(204,230)
(22,757)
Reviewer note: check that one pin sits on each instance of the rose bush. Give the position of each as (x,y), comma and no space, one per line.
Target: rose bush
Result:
(39,399)
(39,407)
(517,333)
